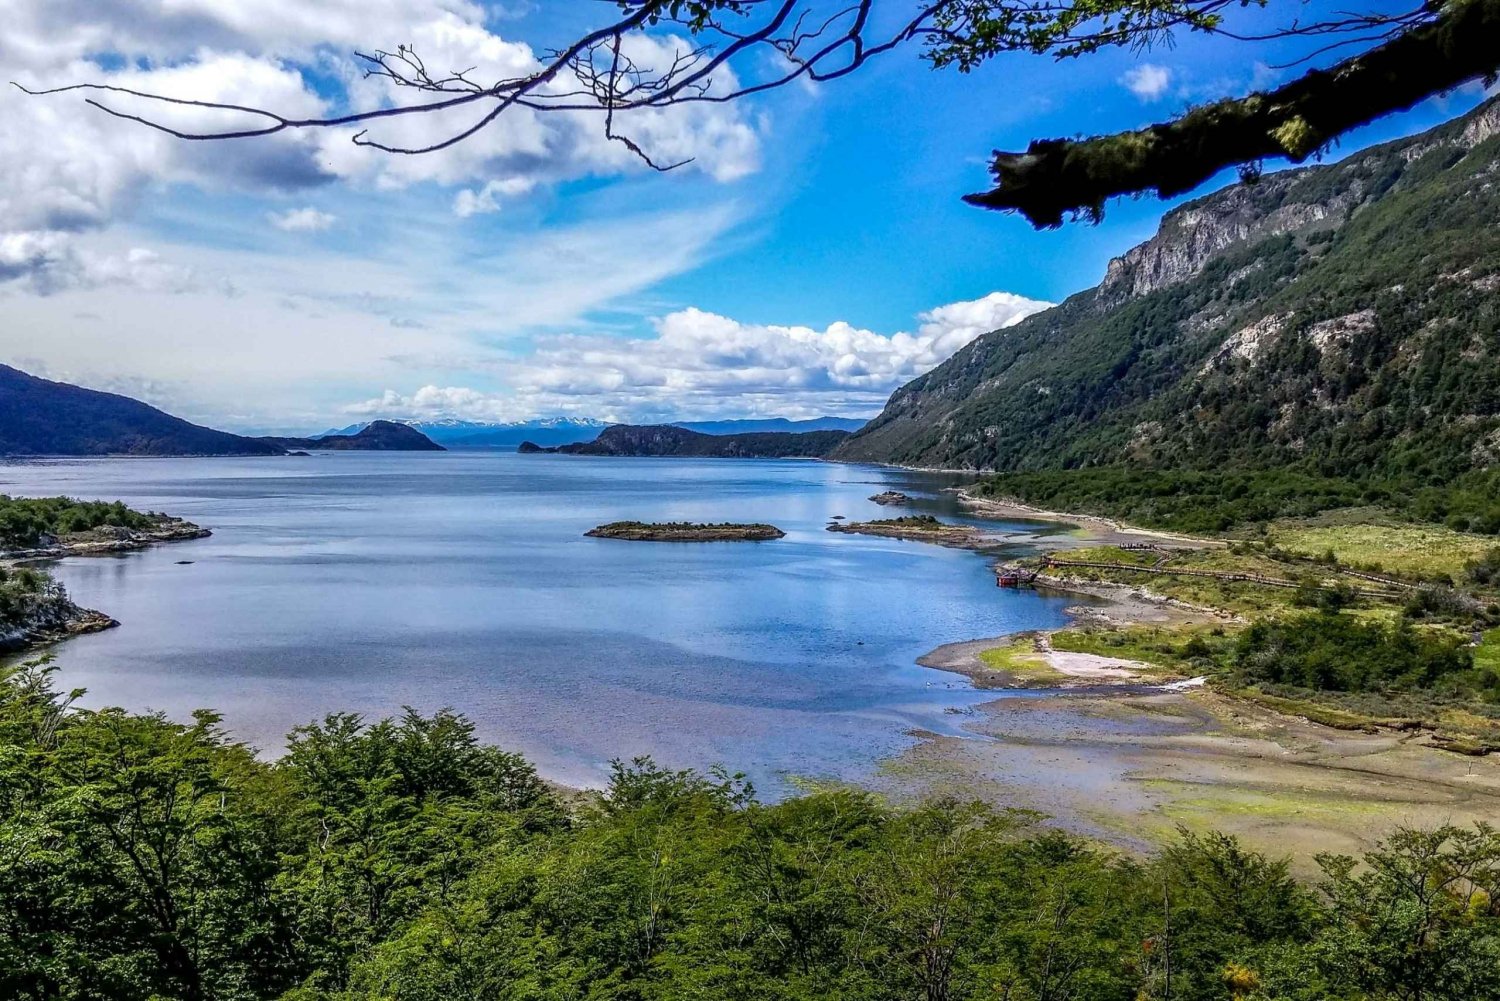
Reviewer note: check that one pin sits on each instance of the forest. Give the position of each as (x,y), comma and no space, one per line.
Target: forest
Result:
(404,859)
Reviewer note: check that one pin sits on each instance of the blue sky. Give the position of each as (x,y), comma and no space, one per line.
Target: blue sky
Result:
(813,257)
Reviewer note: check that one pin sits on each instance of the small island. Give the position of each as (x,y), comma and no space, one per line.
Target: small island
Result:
(915,527)
(890,497)
(683,531)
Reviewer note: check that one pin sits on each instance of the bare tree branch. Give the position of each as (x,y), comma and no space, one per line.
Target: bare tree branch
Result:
(1423,50)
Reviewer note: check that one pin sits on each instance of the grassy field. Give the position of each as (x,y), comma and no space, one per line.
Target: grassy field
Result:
(1239,597)
(1179,648)
(1487,654)
(1416,550)
(1020,661)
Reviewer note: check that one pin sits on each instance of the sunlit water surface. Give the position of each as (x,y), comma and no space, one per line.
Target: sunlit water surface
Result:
(362,581)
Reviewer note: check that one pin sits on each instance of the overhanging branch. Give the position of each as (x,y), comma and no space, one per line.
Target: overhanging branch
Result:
(1055,178)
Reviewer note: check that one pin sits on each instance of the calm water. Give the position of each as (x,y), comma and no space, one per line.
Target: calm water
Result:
(367,582)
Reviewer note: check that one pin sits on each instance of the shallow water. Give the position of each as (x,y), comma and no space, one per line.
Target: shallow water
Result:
(363,581)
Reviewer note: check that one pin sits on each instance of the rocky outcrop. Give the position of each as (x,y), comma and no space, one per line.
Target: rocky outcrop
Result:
(1191,236)
(889,498)
(681,531)
(34,616)
(108,539)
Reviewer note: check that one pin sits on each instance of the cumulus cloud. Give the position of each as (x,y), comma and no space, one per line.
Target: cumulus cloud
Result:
(70,169)
(303,220)
(703,364)
(1148,81)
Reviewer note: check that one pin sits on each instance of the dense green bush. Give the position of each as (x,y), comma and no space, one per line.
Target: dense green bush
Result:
(1338,652)
(1210,501)
(402,860)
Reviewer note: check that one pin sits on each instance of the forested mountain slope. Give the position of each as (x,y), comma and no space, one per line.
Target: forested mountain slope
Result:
(1342,320)
(39,417)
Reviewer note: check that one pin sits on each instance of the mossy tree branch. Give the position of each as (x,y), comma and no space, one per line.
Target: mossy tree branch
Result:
(1055,178)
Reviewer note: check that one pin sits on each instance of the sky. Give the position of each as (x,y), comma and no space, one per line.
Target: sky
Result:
(812,257)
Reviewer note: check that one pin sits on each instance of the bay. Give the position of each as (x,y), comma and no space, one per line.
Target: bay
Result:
(369,581)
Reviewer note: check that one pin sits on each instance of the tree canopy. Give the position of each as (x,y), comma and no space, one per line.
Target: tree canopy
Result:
(142,859)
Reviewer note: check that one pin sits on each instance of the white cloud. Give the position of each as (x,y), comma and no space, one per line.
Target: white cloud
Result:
(409,303)
(303,220)
(1148,81)
(70,168)
(700,364)
(46,263)
(476,201)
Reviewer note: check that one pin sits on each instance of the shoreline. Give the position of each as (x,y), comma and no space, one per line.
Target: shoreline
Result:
(1114,750)
(1099,528)
(54,617)
(113,540)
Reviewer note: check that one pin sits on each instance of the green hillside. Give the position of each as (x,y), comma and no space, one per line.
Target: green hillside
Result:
(1337,322)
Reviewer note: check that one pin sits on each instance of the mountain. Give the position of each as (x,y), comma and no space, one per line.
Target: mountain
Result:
(1342,320)
(553,431)
(376,436)
(39,417)
(668,439)
(747,426)
(460,434)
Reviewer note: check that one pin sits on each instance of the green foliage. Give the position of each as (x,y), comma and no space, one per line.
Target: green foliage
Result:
(23,521)
(1411,917)
(1191,501)
(1485,571)
(146,859)
(1338,652)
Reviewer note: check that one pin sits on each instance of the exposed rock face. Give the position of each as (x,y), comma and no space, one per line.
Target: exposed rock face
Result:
(1191,236)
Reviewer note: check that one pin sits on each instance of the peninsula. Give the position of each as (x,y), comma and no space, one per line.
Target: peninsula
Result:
(34,608)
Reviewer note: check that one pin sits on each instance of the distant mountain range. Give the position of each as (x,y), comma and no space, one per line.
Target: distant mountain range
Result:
(671,440)
(549,432)
(774,424)
(453,433)
(40,417)
(376,436)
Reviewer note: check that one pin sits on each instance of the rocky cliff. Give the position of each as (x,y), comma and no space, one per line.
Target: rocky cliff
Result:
(1343,317)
